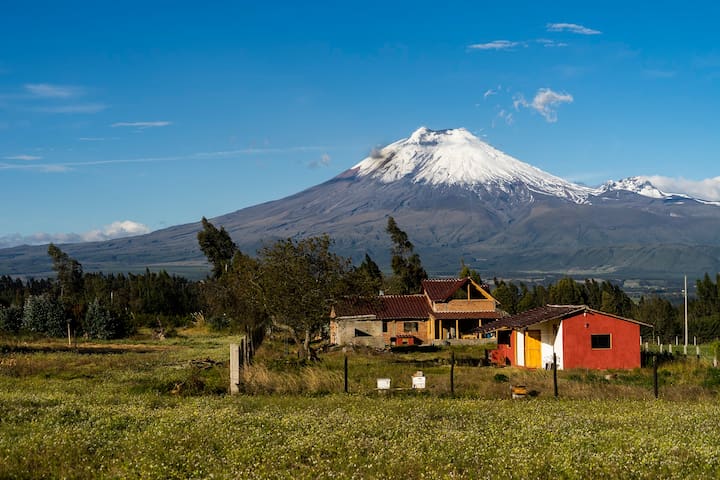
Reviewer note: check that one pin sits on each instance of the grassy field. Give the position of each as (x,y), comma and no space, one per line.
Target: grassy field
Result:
(149,409)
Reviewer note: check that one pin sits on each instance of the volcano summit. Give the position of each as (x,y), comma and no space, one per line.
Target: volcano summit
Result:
(458,198)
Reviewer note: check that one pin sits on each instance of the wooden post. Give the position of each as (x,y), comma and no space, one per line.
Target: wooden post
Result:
(655,376)
(234,368)
(346,373)
(555,387)
(452,373)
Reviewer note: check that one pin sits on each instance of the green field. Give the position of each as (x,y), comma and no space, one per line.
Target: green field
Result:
(150,409)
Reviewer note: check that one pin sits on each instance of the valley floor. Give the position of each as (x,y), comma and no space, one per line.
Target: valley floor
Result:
(143,410)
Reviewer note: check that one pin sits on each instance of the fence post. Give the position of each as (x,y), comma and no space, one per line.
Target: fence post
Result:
(655,375)
(234,368)
(452,373)
(346,372)
(555,386)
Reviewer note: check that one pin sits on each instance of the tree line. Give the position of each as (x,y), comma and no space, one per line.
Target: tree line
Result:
(291,286)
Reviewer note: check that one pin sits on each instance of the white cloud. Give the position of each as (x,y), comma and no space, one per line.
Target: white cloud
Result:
(545,103)
(572,28)
(25,158)
(119,229)
(495,45)
(707,189)
(141,124)
(550,43)
(45,90)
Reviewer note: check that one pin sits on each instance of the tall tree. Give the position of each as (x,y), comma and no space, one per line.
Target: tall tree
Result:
(406,265)
(303,280)
(217,246)
(508,294)
(369,273)
(238,296)
(70,284)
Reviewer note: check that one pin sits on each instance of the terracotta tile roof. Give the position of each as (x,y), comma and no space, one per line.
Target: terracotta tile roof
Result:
(467,315)
(439,290)
(386,307)
(531,317)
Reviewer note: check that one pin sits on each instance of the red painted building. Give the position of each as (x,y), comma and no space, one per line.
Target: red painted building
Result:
(577,335)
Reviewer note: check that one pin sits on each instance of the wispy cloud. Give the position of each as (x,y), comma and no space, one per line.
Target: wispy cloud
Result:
(545,103)
(25,158)
(550,43)
(46,90)
(490,92)
(141,125)
(504,116)
(67,166)
(71,109)
(496,45)
(118,229)
(658,73)
(572,28)
(707,189)
(324,161)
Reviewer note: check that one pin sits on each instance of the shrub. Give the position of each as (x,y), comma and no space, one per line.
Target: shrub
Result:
(101,323)
(10,319)
(43,314)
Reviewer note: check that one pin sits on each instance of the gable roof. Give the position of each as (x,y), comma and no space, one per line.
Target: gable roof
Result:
(439,290)
(385,307)
(442,289)
(544,314)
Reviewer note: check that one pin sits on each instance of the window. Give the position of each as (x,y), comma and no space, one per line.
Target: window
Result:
(600,342)
(503,337)
(410,327)
(384,327)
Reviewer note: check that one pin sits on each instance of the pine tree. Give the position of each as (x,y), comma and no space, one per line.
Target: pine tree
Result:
(406,265)
(217,246)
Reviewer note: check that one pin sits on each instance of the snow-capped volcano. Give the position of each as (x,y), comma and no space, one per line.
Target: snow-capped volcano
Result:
(638,185)
(457,157)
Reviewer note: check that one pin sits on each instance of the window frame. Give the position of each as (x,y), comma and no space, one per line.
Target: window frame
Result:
(593,345)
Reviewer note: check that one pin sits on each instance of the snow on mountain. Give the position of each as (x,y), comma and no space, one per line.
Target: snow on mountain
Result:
(457,157)
(638,185)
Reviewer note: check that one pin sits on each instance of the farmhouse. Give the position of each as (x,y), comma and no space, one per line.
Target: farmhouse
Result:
(448,309)
(579,336)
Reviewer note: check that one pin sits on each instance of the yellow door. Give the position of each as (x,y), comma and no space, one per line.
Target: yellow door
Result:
(533,358)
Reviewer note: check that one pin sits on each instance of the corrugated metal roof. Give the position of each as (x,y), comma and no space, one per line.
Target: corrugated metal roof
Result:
(531,317)
(544,314)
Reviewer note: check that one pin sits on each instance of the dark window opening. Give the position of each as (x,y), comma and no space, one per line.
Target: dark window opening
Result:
(503,337)
(600,341)
(385,327)
(409,327)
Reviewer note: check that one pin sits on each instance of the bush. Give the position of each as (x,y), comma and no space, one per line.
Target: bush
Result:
(43,314)
(101,323)
(10,319)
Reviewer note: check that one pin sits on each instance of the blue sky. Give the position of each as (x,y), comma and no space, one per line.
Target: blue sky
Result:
(126,117)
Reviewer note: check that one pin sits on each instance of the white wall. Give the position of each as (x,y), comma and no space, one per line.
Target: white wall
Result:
(520,349)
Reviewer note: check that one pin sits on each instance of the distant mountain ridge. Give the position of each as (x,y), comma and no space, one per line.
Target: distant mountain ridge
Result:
(458,198)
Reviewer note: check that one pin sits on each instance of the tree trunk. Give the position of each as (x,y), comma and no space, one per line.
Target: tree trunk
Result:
(306,344)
